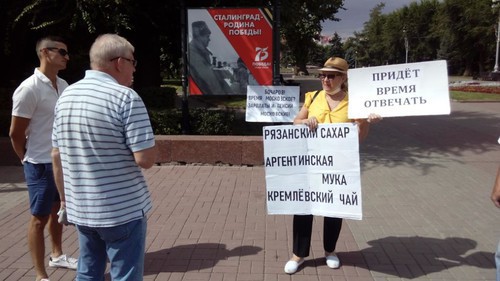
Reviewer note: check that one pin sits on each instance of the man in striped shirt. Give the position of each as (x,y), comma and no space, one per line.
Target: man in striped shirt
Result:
(101,139)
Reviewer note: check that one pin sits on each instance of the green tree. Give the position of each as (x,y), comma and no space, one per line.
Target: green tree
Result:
(373,32)
(409,29)
(460,31)
(420,18)
(467,32)
(320,53)
(353,47)
(335,47)
(301,24)
(80,21)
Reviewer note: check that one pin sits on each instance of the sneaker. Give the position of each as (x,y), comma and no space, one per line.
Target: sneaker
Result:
(332,261)
(291,266)
(63,261)
(44,279)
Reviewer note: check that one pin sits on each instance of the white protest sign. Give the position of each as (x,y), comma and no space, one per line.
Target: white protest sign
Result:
(399,90)
(313,172)
(272,103)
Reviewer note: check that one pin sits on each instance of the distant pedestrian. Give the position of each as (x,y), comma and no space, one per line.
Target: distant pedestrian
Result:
(102,137)
(32,117)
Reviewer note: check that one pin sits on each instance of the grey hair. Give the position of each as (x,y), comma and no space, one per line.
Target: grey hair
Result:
(107,47)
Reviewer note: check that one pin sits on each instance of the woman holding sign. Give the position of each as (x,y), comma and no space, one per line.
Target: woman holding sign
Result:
(328,105)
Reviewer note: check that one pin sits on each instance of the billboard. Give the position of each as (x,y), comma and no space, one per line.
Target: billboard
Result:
(228,50)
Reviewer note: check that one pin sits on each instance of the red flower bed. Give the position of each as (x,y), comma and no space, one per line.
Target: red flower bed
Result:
(476,88)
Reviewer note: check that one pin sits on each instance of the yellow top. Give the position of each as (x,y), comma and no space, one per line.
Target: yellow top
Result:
(320,109)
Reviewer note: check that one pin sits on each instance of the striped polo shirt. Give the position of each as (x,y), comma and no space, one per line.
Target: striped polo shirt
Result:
(98,125)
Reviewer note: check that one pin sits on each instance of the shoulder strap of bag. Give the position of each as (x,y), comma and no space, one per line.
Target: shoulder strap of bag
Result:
(315,94)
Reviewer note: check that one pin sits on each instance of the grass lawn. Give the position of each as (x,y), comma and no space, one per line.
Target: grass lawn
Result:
(473,96)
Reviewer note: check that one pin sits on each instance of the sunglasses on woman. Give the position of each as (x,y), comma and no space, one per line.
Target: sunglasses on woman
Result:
(329,76)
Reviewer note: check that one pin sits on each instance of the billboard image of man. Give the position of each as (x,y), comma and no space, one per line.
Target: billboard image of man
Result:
(241,77)
(201,69)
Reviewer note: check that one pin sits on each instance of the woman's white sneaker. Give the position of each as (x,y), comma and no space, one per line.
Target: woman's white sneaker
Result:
(291,266)
(332,261)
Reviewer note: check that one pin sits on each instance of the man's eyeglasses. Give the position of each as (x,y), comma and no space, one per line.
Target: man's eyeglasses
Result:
(62,52)
(134,62)
(329,76)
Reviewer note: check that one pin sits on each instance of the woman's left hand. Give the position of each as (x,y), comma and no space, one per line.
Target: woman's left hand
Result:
(373,118)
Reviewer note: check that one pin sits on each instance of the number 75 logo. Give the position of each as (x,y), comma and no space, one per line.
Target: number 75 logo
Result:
(262,53)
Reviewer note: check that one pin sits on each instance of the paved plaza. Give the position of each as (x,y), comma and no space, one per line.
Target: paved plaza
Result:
(427,213)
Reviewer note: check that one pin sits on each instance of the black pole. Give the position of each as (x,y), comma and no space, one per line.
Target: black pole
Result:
(185,127)
(276,42)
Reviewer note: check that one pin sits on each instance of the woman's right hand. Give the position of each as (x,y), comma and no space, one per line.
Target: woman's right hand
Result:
(311,122)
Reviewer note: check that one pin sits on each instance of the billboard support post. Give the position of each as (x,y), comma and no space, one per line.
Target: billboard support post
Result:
(185,128)
(276,39)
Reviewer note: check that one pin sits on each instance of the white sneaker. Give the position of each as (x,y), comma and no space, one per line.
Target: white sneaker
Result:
(292,266)
(332,261)
(63,261)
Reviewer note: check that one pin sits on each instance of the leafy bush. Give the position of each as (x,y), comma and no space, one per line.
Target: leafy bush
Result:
(4,123)
(165,119)
(5,110)
(158,97)
(166,122)
(202,121)
(211,122)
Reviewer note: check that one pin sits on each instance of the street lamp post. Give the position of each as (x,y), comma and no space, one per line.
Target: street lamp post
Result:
(495,6)
(356,59)
(406,43)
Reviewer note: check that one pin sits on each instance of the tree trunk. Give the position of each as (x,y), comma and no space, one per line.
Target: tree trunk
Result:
(300,70)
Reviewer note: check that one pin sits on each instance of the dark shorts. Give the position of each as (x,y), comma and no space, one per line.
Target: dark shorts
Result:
(41,187)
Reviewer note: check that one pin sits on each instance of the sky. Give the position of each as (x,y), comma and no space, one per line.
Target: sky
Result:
(357,13)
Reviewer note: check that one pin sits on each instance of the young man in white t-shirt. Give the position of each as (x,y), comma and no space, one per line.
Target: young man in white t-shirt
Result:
(34,101)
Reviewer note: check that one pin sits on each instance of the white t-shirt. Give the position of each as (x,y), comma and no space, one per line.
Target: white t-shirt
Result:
(35,99)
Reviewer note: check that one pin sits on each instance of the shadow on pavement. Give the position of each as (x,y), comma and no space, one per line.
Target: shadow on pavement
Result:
(417,140)
(192,257)
(414,257)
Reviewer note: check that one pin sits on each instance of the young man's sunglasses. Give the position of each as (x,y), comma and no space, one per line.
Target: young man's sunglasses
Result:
(62,52)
